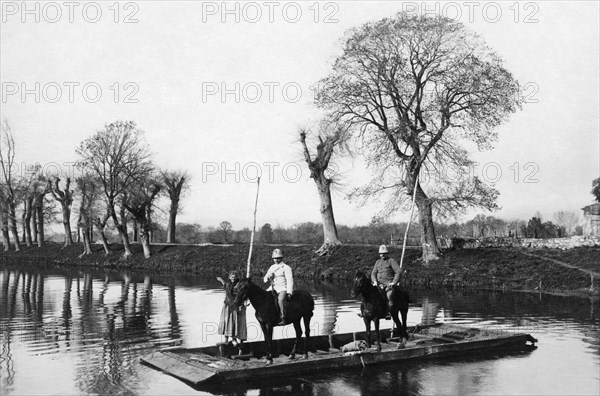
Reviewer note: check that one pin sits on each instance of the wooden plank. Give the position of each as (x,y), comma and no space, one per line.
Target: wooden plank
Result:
(178,367)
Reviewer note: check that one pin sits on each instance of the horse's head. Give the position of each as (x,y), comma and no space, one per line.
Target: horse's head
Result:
(360,281)
(241,290)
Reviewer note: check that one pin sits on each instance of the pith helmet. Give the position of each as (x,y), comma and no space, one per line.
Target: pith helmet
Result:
(383,249)
(277,253)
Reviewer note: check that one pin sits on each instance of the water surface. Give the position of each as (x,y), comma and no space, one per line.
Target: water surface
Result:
(77,331)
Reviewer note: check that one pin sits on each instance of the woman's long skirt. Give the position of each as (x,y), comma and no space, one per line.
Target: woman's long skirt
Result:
(233,322)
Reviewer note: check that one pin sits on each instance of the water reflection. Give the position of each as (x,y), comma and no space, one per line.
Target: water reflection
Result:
(83,331)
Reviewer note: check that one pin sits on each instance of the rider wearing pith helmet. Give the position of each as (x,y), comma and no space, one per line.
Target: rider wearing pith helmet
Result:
(282,280)
(386,273)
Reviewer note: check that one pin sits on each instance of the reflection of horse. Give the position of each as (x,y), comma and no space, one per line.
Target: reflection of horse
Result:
(374,307)
(300,307)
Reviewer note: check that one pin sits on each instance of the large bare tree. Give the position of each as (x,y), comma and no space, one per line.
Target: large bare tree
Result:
(119,157)
(87,187)
(41,209)
(8,182)
(65,198)
(4,220)
(329,138)
(175,183)
(28,188)
(138,201)
(415,89)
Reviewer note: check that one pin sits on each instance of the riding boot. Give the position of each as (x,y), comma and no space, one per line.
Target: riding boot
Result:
(282,319)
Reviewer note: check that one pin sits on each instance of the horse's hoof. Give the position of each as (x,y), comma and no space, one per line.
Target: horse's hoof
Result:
(292,357)
(401,345)
(269,362)
(305,356)
(379,349)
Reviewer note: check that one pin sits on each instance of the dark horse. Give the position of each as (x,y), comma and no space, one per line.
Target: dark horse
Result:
(301,306)
(374,307)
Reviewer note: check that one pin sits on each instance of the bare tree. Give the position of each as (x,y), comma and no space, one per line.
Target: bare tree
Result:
(7,181)
(175,184)
(28,185)
(40,188)
(100,223)
(119,157)
(65,198)
(225,231)
(567,219)
(4,220)
(329,138)
(87,188)
(413,88)
(138,201)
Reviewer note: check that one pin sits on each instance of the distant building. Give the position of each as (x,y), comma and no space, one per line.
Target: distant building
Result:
(591,217)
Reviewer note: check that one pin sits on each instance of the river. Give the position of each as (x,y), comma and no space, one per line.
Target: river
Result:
(77,331)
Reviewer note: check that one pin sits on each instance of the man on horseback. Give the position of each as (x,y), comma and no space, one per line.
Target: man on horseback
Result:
(282,281)
(386,274)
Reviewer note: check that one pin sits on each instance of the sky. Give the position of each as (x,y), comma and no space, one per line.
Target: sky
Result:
(221,90)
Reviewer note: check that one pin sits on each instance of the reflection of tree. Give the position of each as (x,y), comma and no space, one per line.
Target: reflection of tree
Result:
(430,311)
(331,294)
(174,326)
(67,314)
(7,370)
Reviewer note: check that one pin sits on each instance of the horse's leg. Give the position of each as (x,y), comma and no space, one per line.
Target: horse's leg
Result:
(268,332)
(404,314)
(376,322)
(367,329)
(398,330)
(397,324)
(306,335)
(298,336)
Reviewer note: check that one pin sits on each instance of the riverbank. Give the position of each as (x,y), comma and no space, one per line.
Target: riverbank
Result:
(541,270)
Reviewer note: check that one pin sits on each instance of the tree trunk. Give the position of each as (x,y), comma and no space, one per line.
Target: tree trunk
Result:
(34,225)
(431,250)
(145,238)
(172,218)
(83,227)
(39,214)
(121,227)
(5,234)
(12,215)
(87,245)
(27,221)
(23,222)
(66,212)
(103,238)
(330,234)
(136,234)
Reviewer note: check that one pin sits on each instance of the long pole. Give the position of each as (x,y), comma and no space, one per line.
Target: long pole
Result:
(412,208)
(253,229)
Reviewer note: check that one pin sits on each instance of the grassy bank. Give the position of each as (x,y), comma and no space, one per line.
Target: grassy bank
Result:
(503,268)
